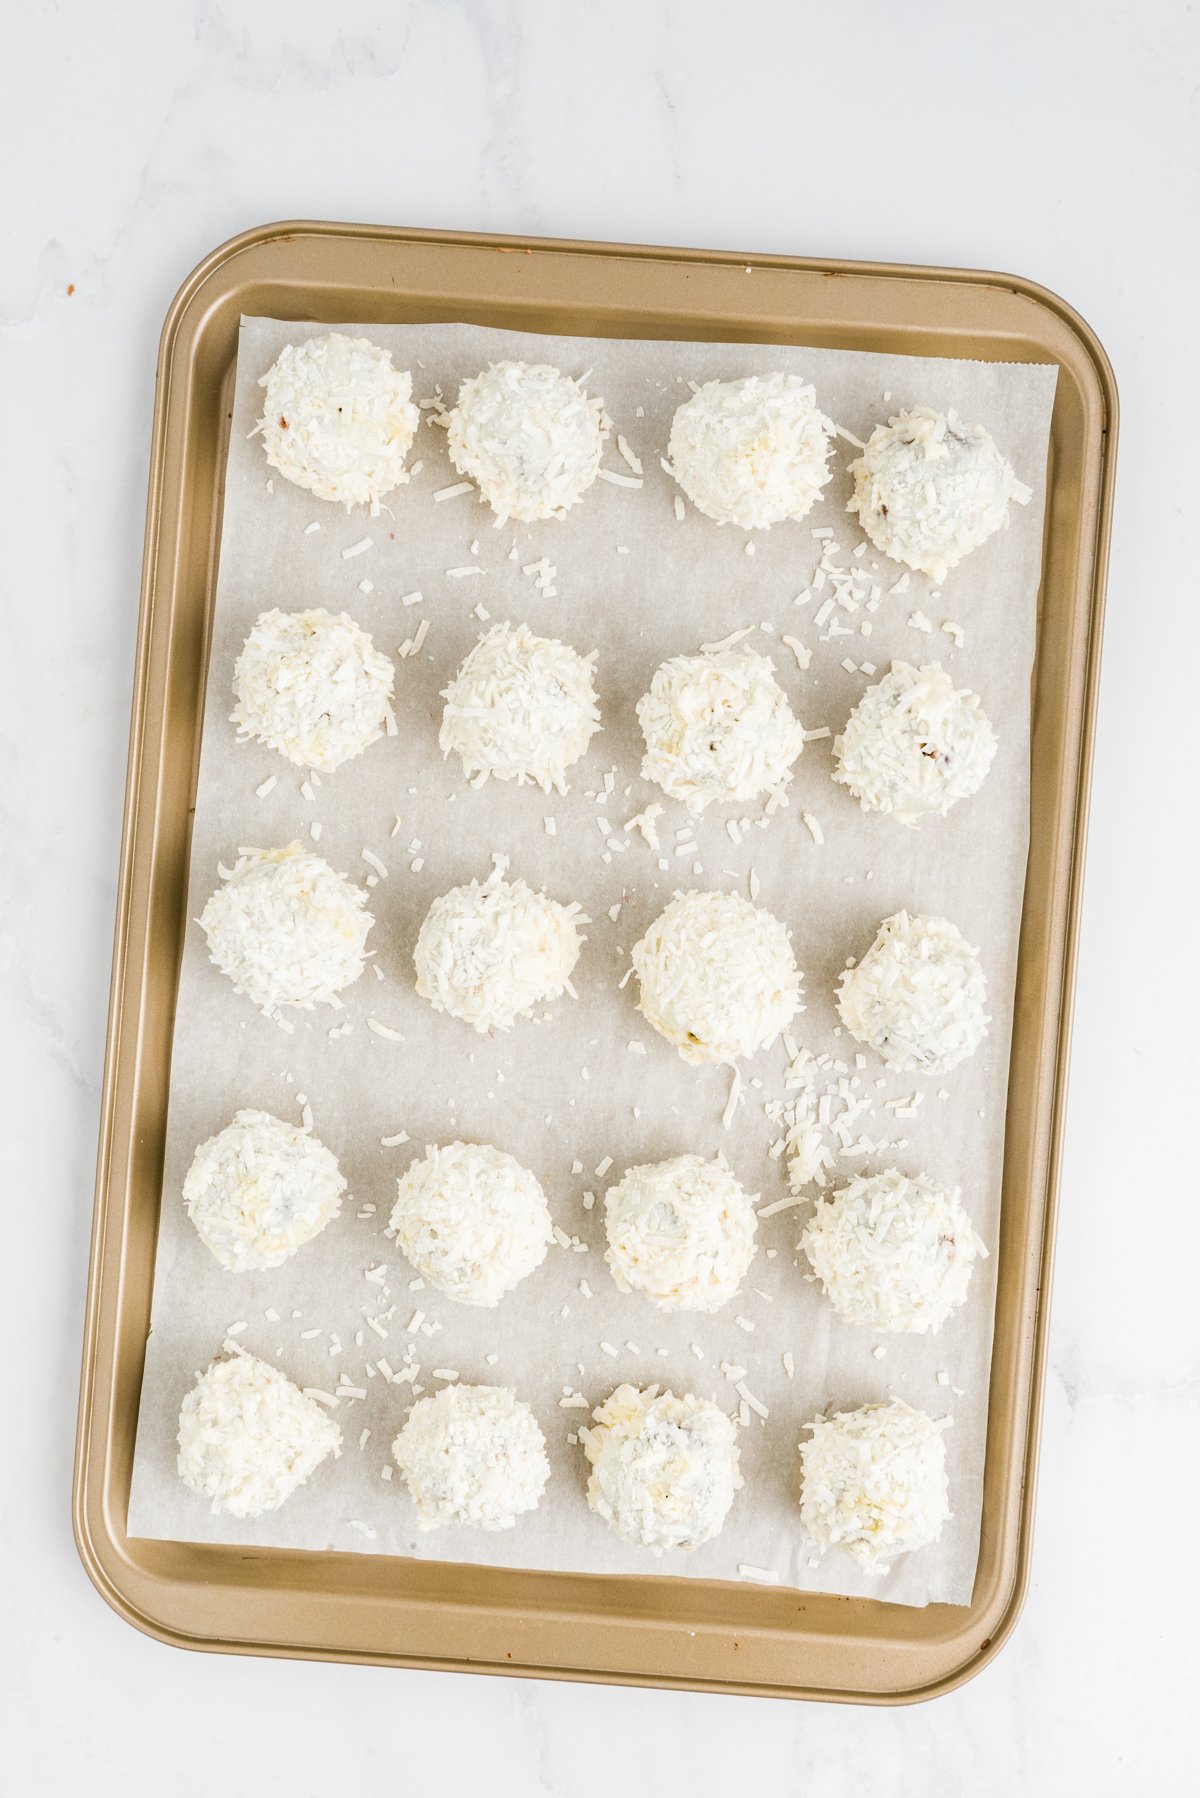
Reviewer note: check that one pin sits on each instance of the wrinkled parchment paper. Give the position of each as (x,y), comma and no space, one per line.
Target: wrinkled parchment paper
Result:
(636,585)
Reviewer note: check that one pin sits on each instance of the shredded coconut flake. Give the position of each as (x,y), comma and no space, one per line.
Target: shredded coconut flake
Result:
(489,953)
(874,1482)
(521,708)
(530,437)
(917,997)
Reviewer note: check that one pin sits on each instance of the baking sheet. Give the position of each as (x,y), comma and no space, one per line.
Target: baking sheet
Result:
(637,586)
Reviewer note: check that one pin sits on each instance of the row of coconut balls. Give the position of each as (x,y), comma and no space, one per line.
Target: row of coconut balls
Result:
(717,726)
(892,1253)
(664,1469)
(716,974)
(338,420)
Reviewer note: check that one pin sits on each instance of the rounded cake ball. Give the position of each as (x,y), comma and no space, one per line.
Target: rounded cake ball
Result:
(664,1469)
(472,1221)
(473,1455)
(286,929)
(521,707)
(313,686)
(874,1482)
(681,1232)
(718,727)
(917,997)
(914,744)
(260,1189)
(489,953)
(529,437)
(928,489)
(893,1253)
(338,418)
(248,1438)
(717,977)
(752,453)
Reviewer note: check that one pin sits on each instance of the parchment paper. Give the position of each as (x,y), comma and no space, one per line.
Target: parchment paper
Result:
(636,585)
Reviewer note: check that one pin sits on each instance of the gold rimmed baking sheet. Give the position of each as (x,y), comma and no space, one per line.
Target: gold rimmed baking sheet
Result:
(563,1623)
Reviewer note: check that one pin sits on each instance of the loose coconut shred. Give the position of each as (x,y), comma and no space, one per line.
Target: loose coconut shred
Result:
(917,997)
(473,1455)
(338,419)
(664,1469)
(681,1232)
(472,1221)
(529,437)
(489,953)
(928,489)
(521,708)
(753,452)
(286,929)
(248,1438)
(313,686)
(717,977)
(260,1189)
(718,727)
(914,744)
(893,1253)
(874,1482)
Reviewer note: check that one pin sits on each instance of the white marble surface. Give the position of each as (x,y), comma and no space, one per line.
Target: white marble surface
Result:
(1054,140)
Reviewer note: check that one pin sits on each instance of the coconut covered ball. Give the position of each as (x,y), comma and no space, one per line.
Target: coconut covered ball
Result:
(893,1253)
(313,686)
(489,953)
(929,489)
(248,1438)
(522,708)
(260,1189)
(530,439)
(718,727)
(680,1231)
(474,1455)
(874,1482)
(286,929)
(472,1221)
(917,997)
(664,1469)
(914,744)
(338,418)
(752,453)
(717,977)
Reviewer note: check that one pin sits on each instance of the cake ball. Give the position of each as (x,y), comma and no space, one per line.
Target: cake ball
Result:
(338,418)
(489,953)
(914,744)
(313,686)
(917,997)
(752,452)
(260,1189)
(522,708)
(248,1438)
(717,977)
(472,1221)
(680,1231)
(718,727)
(472,1454)
(874,1482)
(929,489)
(893,1253)
(529,437)
(286,929)
(664,1469)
